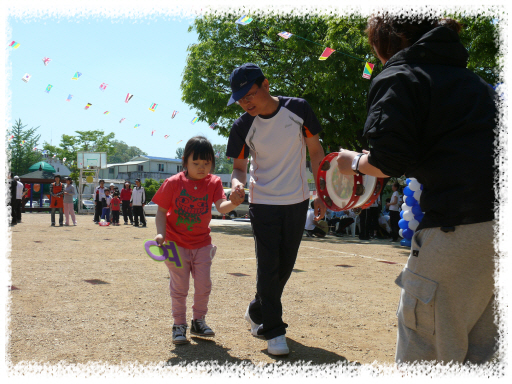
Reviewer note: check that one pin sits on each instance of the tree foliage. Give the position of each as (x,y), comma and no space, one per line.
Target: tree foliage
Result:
(122,152)
(20,148)
(222,164)
(334,88)
(151,187)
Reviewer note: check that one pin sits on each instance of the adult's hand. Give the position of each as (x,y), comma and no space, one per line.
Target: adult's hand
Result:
(320,208)
(344,160)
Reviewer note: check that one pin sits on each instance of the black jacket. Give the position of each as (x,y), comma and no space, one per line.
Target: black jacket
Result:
(431,118)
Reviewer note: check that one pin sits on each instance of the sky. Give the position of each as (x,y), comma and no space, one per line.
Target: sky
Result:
(142,57)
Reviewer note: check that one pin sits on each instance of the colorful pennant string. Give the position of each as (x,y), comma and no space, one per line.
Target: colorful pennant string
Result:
(244,20)
(179,141)
(213,125)
(194,120)
(69,97)
(76,76)
(326,53)
(48,88)
(128,97)
(136,126)
(103,86)
(14,45)
(88,105)
(123,119)
(285,35)
(153,107)
(174,113)
(368,70)
(166,136)
(106,112)
(46,61)
(26,77)
(153,131)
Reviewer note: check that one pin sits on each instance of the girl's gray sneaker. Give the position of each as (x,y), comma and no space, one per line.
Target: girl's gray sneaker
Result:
(179,334)
(199,328)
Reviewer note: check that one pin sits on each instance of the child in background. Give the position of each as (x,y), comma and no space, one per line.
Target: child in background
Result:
(105,213)
(184,213)
(115,206)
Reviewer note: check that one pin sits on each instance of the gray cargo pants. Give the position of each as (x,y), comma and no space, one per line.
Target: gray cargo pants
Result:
(447,299)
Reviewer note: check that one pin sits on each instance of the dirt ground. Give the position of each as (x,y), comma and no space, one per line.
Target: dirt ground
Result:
(340,302)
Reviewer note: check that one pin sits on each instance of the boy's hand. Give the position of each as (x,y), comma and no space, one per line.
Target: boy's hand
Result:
(159,239)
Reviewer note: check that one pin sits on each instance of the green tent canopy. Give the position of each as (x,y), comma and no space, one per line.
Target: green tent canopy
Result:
(44,166)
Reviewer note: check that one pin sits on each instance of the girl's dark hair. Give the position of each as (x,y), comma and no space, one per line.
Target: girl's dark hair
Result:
(389,34)
(201,148)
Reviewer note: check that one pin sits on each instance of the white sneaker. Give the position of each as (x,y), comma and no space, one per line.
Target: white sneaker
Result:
(254,326)
(278,346)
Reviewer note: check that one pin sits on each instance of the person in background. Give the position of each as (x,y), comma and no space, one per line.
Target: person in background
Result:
(394,214)
(311,227)
(126,195)
(57,200)
(13,185)
(137,202)
(374,212)
(19,196)
(69,192)
(105,213)
(26,196)
(115,205)
(99,201)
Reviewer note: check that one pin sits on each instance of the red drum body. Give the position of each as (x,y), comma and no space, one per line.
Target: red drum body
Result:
(342,192)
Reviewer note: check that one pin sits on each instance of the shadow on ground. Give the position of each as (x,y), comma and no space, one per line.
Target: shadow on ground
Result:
(208,351)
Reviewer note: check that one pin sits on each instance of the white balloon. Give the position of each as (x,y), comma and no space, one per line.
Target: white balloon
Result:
(413,224)
(400,232)
(405,207)
(417,195)
(408,215)
(414,185)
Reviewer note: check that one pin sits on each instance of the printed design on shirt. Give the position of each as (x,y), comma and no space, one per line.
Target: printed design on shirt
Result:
(299,124)
(189,209)
(251,144)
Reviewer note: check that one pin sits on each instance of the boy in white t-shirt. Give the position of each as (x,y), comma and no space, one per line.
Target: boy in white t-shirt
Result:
(275,132)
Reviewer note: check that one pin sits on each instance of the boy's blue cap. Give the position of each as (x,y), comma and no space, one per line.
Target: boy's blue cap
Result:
(242,79)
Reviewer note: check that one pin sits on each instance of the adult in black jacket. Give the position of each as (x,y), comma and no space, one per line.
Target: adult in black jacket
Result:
(431,118)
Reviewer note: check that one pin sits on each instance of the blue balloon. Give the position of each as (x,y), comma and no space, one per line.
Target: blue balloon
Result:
(419,217)
(407,233)
(421,187)
(408,191)
(411,201)
(404,224)
(416,210)
(407,181)
(405,242)
(401,214)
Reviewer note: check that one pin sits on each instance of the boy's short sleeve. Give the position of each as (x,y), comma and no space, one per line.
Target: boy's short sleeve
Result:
(237,147)
(311,124)
(164,196)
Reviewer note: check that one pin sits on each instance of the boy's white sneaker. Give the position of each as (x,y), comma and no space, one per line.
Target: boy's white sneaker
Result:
(254,326)
(278,346)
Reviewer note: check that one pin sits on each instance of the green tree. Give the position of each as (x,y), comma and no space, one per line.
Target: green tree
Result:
(222,164)
(91,141)
(122,152)
(334,88)
(21,146)
(151,187)
(179,153)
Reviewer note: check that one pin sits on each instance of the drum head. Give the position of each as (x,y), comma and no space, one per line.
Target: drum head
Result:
(339,186)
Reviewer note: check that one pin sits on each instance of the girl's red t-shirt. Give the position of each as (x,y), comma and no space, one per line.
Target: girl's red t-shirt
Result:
(115,204)
(188,204)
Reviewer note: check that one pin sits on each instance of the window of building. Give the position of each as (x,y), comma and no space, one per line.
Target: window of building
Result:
(160,167)
(111,170)
(140,168)
(179,168)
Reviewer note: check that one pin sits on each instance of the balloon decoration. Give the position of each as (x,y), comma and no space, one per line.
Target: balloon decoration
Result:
(37,187)
(411,213)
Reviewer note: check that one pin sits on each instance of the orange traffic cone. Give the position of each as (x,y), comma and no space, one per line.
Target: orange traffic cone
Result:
(223,217)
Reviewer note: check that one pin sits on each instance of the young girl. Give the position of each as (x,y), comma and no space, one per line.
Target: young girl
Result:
(184,213)
(115,206)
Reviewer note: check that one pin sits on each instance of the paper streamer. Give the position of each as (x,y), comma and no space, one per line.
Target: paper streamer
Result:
(103,86)
(244,20)
(136,126)
(368,70)
(69,97)
(166,136)
(14,45)
(153,132)
(285,35)
(179,141)
(326,53)
(153,107)
(46,61)
(48,88)
(88,105)
(26,77)
(168,251)
(123,119)
(106,112)
(128,97)
(174,113)
(194,120)
(213,125)
(76,76)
